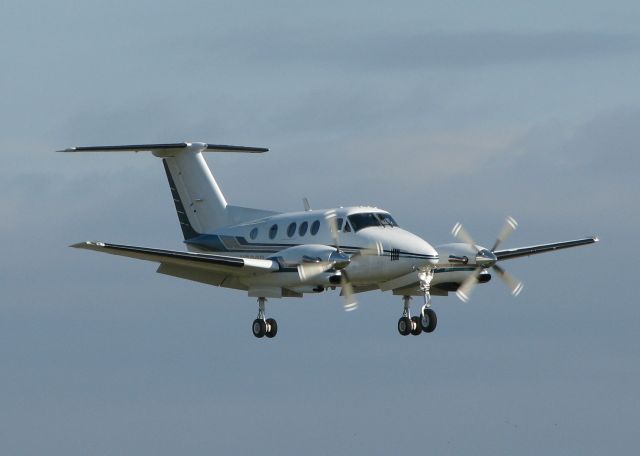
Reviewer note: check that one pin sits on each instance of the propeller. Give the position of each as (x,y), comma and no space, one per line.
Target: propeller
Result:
(337,260)
(310,269)
(313,267)
(350,302)
(485,259)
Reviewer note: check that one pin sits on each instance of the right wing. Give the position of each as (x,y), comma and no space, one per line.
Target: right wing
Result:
(222,264)
(542,248)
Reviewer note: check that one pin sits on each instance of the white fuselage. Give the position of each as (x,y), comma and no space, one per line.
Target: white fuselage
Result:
(270,238)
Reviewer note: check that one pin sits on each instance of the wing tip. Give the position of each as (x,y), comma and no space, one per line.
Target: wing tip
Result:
(87,244)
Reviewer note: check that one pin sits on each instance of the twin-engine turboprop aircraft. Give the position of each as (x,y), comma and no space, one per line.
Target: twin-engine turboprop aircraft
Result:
(276,255)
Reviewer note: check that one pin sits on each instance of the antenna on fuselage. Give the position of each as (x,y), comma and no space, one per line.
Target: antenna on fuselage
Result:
(305,202)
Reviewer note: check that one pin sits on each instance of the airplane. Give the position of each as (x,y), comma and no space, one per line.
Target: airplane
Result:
(276,255)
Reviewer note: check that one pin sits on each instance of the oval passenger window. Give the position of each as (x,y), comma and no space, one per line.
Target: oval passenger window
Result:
(273,231)
(315,226)
(291,230)
(303,228)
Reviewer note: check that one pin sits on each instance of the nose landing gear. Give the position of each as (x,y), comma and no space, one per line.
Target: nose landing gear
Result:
(428,320)
(264,327)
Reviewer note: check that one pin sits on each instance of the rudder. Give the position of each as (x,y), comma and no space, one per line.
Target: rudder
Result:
(185,224)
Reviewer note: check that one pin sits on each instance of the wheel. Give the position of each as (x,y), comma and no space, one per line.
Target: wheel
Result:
(272,328)
(404,326)
(429,320)
(259,327)
(416,326)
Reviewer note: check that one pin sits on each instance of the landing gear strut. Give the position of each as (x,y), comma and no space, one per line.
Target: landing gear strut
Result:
(427,320)
(264,327)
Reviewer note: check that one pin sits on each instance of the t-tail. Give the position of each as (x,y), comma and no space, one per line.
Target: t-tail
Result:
(200,204)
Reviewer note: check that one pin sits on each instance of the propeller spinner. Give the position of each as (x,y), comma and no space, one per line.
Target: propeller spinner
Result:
(486,259)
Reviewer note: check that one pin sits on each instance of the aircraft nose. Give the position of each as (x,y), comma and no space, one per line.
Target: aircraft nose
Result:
(402,244)
(422,250)
(430,254)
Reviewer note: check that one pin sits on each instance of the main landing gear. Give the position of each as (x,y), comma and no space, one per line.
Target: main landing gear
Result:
(427,320)
(264,327)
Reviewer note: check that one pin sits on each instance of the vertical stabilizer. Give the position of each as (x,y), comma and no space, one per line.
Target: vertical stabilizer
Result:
(200,204)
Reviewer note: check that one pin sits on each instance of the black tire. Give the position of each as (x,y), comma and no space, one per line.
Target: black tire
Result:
(416,326)
(431,321)
(272,326)
(259,328)
(404,326)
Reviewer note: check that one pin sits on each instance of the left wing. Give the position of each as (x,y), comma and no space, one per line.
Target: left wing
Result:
(227,265)
(541,248)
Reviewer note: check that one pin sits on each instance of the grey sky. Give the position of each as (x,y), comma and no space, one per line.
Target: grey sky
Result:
(437,112)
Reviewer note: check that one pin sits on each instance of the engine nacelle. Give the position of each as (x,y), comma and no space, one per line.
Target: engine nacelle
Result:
(309,253)
(458,254)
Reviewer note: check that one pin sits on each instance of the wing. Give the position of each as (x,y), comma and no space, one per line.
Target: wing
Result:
(221,264)
(541,248)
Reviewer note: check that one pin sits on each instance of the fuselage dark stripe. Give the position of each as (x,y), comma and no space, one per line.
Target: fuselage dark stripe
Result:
(235,244)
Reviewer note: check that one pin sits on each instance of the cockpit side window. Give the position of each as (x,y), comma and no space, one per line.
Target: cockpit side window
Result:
(347,227)
(339,223)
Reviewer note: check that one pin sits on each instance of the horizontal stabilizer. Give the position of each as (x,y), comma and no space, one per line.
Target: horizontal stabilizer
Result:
(195,146)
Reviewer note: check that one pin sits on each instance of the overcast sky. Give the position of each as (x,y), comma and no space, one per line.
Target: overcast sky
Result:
(436,112)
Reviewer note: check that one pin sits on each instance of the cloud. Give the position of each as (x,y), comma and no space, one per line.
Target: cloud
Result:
(428,50)
(603,147)
(555,171)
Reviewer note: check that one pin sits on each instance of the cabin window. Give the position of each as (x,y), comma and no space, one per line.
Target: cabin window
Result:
(315,226)
(273,231)
(254,233)
(291,230)
(303,228)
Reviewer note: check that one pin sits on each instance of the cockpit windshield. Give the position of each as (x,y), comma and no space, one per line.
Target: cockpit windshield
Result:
(386,220)
(365,220)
